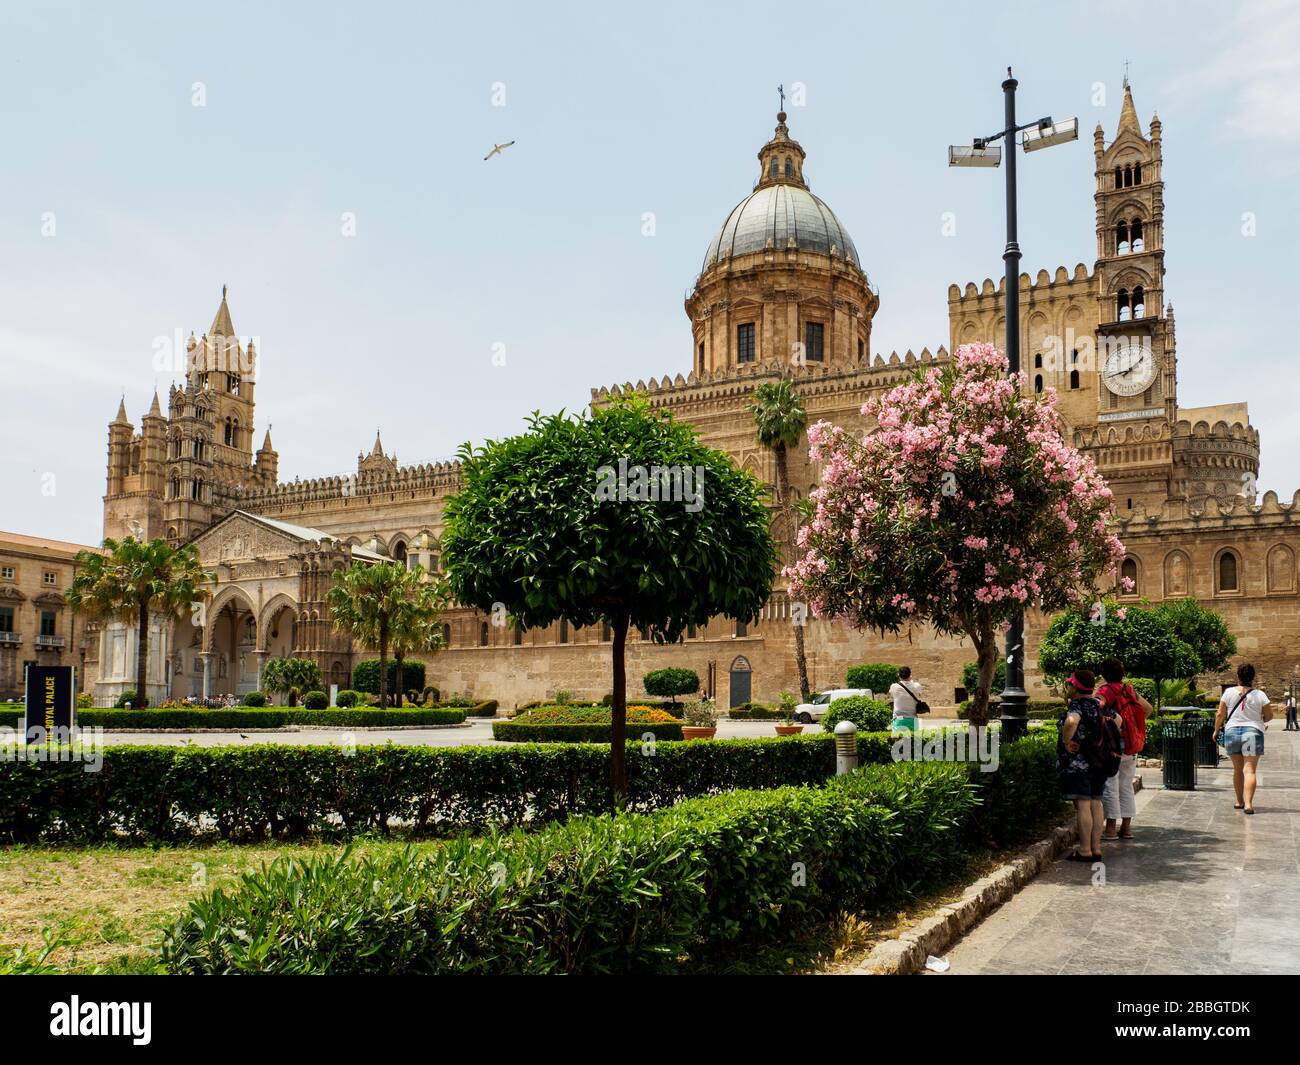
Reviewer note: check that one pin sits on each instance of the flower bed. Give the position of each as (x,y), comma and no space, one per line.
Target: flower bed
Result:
(585,724)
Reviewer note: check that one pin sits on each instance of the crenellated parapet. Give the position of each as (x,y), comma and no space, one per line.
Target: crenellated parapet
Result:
(429,477)
(1231,512)
(990,290)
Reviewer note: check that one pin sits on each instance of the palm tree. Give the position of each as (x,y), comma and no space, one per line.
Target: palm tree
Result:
(415,625)
(780,420)
(132,578)
(375,604)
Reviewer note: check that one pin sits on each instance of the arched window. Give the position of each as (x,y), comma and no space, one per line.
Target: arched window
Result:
(1226,573)
(446,635)
(483,634)
(1128,571)
(771,170)
(789,167)
(1074,379)
(1135,233)
(234,434)
(1038,382)
(1121,238)
(1139,303)
(1119,177)
(1128,176)
(1038,362)
(175,487)
(226,436)
(1122,309)
(234,384)
(399,552)
(1137,173)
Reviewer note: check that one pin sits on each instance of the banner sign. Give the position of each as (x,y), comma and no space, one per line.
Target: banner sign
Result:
(51,701)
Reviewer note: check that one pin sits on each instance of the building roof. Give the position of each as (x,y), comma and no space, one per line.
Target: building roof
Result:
(778,217)
(40,543)
(302,532)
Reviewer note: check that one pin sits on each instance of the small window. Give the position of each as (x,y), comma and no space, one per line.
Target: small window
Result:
(701,356)
(814,341)
(1135,234)
(745,342)
(1038,382)
(862,349)
(564,630)
(483,634)
(519,634)
(1123,310)
(49,578)
(6,619)
(1038,362)
(789,167)
(1228,575)
(6,573)
(771,170)
(742,629)
(1139,303)
(1137,173)
(604,632)
(446,635)
(690,632)
(1128,571)
(1121,239)
(47,622)
(399,552)
(1074,379)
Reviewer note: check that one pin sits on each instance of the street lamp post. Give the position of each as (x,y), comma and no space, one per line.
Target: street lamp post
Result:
(984,152)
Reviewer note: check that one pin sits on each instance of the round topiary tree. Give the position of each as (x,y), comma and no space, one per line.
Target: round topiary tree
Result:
(620,516)
(254,699)
(671,682)
(315,700)
(870,715)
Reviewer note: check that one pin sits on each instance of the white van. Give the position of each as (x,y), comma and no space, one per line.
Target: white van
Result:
(816,710)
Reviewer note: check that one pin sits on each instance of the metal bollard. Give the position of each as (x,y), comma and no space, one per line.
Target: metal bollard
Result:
(846,748)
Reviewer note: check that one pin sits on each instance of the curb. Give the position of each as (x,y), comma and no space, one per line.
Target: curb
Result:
(272,731)
(907,953)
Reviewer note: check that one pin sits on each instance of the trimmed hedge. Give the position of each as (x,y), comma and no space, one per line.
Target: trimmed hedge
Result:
(240,717)
(707,880)
(870,715)
(257,699)
(756,712)
(487,708)
(158,794)
(875,676)
(572,723)
(1037,710)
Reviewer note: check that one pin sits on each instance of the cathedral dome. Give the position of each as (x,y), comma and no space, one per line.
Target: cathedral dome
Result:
(781,216)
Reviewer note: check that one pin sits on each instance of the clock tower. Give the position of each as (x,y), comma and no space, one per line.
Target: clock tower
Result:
(1135,340)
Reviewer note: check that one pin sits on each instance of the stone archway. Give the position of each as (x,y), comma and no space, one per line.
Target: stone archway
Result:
(230,639)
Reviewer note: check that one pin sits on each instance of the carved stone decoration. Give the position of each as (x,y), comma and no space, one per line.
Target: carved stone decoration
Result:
(1176,571)
(1281,569)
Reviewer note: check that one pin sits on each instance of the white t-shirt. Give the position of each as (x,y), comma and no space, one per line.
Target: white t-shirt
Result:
(1251,712)
(904,704)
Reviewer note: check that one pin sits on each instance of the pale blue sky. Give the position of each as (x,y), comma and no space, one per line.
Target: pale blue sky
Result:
(385,110)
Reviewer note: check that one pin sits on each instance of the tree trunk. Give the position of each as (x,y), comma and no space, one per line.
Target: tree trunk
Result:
(142,656)
(791,545)
(986,647)
(397,695)
(383,667)
(618,719)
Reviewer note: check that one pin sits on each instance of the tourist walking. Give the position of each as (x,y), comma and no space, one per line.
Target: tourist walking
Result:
(1118,800)
(1243,712)
(1291,725)
(1087,754)
(907,701)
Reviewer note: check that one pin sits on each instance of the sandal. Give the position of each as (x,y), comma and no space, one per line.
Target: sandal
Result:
(1122,836)
(1250,811)
(1238,805)
(1075,856)
(1112,839)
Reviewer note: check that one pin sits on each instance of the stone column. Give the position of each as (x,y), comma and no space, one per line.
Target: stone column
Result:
(260,658)
(206,656)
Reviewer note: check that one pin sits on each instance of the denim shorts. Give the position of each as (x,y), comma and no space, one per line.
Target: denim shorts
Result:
(1243,740)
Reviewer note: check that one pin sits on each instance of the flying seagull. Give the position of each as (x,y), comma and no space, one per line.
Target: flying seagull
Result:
(497,149)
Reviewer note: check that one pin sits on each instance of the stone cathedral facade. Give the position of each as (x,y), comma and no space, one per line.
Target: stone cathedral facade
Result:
(781,290)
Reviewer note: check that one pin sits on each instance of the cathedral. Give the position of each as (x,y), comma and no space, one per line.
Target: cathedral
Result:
(781,290)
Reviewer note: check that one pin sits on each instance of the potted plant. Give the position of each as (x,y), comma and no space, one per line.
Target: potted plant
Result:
(701,720)
(788,727)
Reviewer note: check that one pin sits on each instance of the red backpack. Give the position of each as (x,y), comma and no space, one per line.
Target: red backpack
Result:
(1123,699)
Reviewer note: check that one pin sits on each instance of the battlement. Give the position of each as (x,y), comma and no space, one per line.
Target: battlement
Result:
(1209,508)
(1041,281)
(739,379)
(426,476)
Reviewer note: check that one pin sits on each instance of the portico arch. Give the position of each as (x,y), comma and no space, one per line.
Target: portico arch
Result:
(267,623)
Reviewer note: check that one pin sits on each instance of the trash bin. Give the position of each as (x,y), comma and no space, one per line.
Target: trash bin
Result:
(1178,753)
(1207,751)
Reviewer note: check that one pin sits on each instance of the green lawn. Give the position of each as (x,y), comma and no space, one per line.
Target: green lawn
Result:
(105,905)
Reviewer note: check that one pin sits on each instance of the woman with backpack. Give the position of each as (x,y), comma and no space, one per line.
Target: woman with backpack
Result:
(1086,756)
(1118,800)
(1239,725)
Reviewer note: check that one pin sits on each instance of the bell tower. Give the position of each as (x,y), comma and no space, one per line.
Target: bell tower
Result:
(1135,340)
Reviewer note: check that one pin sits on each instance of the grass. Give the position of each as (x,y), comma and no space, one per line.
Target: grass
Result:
(103,907)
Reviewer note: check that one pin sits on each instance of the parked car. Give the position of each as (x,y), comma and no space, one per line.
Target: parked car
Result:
(816,710)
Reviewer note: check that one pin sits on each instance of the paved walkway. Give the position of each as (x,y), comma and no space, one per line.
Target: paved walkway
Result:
(1202,890)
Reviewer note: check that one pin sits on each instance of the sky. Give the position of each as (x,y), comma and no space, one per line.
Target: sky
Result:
(154,152)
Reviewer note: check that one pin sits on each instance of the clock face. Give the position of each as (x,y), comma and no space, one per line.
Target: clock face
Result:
(1129,370)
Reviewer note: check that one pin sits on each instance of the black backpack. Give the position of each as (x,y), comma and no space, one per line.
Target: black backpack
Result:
(1104,747)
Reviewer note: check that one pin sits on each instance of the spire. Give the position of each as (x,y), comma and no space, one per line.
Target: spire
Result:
(121,418)
(154,408)
(1128,116)
(378,449)
(221,325)
(266,444)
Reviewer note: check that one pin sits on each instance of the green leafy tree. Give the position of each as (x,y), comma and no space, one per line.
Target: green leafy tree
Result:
(780,421)
(131,579)
(291,677)
(561,522)
(1205,631)
(970,676)
(1139,637)
(671,682)
(371,603)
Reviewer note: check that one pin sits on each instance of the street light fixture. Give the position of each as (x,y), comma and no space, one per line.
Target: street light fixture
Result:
(1041,134)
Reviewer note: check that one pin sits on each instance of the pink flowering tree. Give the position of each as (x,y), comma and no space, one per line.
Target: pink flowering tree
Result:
(961,506)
